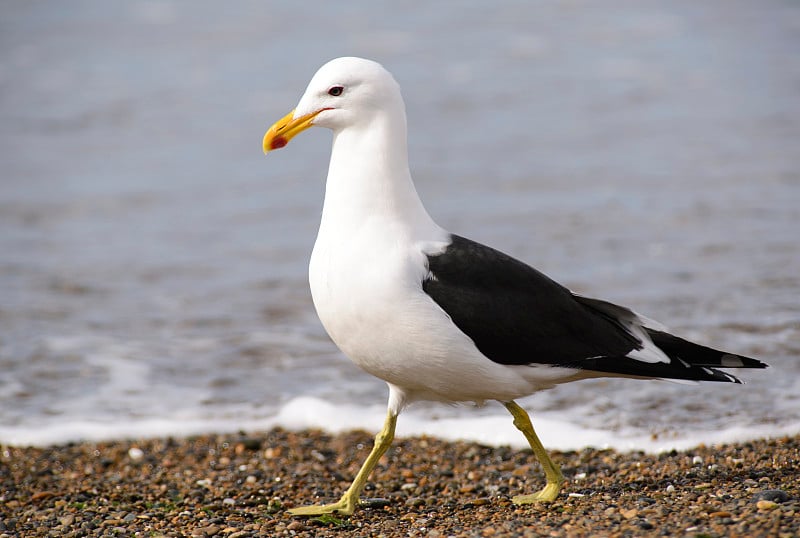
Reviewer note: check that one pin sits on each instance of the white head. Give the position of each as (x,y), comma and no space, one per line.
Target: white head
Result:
(345,92)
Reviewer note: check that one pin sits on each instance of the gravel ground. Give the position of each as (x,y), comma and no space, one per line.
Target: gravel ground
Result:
(236,486)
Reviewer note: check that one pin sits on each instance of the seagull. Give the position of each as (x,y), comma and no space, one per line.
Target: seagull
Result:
(435,315)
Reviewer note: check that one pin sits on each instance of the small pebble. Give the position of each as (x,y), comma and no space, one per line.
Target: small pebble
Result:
(135,453)
(375,502)
(776,495)
(630,514)
(415,501)
(248,444)
(295,525)
(720,514)
(766,505)
(645,525)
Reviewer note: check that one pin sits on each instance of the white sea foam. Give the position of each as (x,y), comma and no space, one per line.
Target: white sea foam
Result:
(309,412)
(497,429)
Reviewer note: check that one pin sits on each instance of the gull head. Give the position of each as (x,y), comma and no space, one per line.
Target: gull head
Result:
(344,93)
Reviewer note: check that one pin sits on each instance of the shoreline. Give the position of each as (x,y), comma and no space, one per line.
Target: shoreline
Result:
(239,485)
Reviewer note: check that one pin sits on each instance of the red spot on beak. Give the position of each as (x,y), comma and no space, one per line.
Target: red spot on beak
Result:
(278,142)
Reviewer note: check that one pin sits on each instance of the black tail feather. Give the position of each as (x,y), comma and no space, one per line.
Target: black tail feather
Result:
(688,361)
(699,355)
(676,369)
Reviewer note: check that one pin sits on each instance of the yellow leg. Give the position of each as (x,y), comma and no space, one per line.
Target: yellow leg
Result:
(350,500)
(551,471)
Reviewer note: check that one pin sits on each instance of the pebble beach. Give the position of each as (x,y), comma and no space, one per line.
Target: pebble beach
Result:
(240,485)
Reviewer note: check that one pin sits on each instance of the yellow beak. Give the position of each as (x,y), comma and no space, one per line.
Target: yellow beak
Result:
(287,128)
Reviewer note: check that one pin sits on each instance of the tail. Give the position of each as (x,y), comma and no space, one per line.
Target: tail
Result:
(699,358)
(687,361)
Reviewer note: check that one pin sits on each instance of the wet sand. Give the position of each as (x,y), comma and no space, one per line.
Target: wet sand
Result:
(239,485)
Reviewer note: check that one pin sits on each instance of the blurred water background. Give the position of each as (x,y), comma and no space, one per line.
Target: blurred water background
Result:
(153,261)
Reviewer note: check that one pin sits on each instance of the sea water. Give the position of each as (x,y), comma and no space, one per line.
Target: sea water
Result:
(153,262)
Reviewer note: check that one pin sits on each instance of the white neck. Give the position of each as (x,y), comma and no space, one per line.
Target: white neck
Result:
(369,177)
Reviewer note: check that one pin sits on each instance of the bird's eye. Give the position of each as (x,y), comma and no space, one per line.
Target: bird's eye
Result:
(336,91)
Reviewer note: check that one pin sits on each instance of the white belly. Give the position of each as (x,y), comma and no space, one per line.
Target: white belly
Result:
(369,298)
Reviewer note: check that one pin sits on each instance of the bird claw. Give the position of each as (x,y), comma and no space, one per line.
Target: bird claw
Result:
(547,494)
(344,506)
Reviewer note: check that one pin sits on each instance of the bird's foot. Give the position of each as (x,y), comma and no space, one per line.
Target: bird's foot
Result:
(547,494)
(345,506)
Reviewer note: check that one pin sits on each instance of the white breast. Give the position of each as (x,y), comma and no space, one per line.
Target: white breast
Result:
(368,295)
(365,289)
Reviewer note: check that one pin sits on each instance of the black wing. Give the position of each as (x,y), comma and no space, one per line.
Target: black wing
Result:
(517,315)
